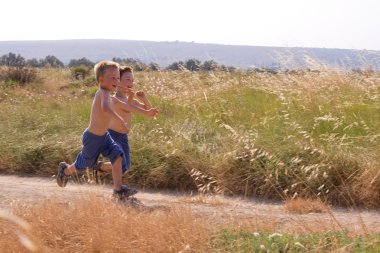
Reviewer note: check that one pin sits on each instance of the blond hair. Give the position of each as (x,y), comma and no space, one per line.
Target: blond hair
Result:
(101,67)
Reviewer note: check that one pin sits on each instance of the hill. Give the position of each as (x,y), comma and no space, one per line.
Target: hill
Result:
(165,53)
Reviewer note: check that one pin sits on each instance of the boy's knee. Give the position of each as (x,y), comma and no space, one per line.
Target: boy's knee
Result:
(119,159)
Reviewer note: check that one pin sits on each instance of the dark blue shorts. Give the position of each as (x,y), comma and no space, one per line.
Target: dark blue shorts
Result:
(93,146)
(122,141)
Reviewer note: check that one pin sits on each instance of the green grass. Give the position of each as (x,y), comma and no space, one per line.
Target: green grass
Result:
(243,241)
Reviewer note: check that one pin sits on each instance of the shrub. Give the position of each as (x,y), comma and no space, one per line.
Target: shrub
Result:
(80,72)
(21,76)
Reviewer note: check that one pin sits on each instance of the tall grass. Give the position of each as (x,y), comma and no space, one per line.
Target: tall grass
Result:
(307,134)
(94,225)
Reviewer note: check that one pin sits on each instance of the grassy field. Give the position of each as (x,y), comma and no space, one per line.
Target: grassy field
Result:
(290,136)
(307,134)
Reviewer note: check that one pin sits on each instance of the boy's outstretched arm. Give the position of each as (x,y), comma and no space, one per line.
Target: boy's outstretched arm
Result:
(141,96)
(133,108)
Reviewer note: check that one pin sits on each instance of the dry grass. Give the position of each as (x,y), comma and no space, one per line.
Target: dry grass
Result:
(94,225)
(212,200)
(368,188)
(304,206)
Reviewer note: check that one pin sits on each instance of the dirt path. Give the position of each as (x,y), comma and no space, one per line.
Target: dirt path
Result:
(221,210)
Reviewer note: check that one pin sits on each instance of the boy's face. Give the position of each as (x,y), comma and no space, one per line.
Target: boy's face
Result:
(126,82)
(110,80)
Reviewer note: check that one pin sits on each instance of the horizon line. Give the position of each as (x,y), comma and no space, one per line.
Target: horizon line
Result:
(179,41)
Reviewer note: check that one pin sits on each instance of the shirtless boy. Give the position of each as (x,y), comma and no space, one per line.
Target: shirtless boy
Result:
(96,139)
(125,94)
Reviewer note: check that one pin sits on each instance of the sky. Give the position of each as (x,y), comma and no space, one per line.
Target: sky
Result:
(350,24)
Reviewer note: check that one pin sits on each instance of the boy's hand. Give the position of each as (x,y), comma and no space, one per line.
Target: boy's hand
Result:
(152,112)
(130,94)
(140,95)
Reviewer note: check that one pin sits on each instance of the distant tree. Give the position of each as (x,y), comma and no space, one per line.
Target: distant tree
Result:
(193,64)
(180,65)
(34,63)
(12,60)
(210,65)
(136,64)
(118,60)
(154,66)
(227,68)
(231,68)
(53,62)
(41,62)
(126,61)
(82,61)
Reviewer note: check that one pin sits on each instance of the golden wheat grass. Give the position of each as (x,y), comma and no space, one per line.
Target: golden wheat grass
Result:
(97,225)
(303,206)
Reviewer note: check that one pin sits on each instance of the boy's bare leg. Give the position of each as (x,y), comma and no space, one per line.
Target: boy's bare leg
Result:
(70,170)
(117,174)
(106,166)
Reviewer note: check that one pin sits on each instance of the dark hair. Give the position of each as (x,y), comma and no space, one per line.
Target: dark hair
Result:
(125,69)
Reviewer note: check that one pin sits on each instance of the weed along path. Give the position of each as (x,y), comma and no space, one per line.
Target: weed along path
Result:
(219,210)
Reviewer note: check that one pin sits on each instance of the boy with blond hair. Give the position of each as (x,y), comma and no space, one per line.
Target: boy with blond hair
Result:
(125,95)
(96,139)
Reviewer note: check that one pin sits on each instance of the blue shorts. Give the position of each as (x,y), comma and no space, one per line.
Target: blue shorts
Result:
(93,146)
(122,141)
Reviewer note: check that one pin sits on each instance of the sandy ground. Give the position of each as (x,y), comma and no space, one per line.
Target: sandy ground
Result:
(217,209)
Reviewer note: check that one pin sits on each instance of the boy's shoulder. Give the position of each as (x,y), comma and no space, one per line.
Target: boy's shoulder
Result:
(118,99)
(101,95)
(102,92)
(118,102)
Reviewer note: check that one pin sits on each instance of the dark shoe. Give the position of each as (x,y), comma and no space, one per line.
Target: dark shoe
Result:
(129,191)
(61,177)
(124,193)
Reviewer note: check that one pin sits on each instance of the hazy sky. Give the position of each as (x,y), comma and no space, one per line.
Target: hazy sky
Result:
(304,23)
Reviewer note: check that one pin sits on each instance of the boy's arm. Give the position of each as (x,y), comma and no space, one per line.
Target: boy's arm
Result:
(141,96)
(105,103)
(130,95)
(133,108)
